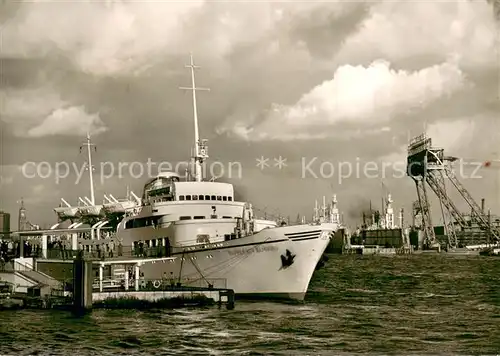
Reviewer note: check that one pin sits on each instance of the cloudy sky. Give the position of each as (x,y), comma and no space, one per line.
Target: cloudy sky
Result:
(323,84)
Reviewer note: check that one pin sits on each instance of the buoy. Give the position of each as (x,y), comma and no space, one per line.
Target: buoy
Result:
(156,284)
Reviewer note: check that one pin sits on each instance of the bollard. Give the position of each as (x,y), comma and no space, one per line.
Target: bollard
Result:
(226,296)
(230,300)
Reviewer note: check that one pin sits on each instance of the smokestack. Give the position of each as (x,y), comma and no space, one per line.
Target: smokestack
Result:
(482,206)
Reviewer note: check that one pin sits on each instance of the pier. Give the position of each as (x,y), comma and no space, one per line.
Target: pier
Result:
(77,288)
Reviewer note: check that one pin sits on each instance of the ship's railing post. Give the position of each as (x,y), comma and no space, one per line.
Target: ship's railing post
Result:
(74,242)
(44,246)
(137,270)
(101,268)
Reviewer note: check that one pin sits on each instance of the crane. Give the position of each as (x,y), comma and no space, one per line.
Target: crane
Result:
(430,168)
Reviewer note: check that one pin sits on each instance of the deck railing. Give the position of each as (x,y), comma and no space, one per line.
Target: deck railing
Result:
(124,252)
(117,285)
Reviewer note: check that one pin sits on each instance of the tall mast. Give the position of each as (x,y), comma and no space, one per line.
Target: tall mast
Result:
(324,208)
(389,213)
(89,145)
(200,153)
(335,216)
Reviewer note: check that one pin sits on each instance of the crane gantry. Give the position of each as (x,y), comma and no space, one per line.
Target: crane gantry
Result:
(430,168)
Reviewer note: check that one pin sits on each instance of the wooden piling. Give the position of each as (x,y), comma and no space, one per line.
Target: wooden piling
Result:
(82,284)
(227,297)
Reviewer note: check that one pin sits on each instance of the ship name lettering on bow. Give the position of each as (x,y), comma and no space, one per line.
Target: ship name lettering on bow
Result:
(251,250)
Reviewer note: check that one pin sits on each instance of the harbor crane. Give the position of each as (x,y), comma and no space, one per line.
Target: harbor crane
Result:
(430,168)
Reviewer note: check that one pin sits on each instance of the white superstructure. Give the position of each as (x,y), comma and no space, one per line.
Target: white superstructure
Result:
(217,238)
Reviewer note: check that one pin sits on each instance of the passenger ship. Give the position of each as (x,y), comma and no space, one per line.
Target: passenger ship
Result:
(218,241)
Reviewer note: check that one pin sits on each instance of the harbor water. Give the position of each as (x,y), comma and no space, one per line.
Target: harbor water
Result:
(425,304)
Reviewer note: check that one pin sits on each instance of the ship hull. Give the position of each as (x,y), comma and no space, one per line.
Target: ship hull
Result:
(256,266)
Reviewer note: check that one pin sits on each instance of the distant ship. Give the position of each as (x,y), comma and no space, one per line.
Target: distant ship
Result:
(378,235)
(217,240)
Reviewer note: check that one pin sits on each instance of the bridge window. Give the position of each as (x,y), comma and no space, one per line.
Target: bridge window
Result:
(142,222)
(226,217)
(199,217)
(213,197)
(230,198)
(157,192)
(201,197)
(188,197)
(224,198)
(185,218)
(207,197)
(219,197)
(195,197)
(181,197)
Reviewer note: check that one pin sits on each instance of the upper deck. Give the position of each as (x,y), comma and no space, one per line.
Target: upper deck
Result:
(203,191)
(168,187)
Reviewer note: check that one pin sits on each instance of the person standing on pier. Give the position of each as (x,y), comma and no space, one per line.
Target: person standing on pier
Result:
(111,248)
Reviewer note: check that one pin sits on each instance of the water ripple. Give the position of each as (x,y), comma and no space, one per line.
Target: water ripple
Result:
(357,304)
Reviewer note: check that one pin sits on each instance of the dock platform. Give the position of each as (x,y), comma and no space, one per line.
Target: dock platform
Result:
(182,297)
(168,298)
(73,286)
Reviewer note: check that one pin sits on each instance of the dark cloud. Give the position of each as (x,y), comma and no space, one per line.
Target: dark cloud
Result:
(360,207)
(496,8)
(324,30)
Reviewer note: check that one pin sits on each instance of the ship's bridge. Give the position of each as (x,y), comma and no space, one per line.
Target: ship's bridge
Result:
(161,186)
(203,191)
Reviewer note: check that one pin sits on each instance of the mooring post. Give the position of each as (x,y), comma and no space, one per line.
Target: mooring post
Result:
(230,300)
(82,284)
(226,296)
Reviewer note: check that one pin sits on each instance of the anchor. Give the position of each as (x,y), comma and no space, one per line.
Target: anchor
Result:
(287,259)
